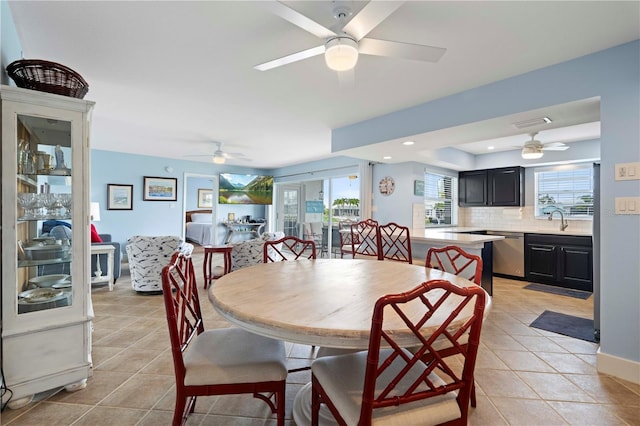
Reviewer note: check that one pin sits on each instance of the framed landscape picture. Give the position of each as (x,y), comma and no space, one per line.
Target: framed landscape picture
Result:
(160,189)
(119,197)
(205,198)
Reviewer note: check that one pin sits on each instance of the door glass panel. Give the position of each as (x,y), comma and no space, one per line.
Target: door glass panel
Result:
(44,208)
(291,203)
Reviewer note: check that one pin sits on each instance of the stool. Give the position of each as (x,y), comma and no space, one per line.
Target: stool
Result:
(209,273)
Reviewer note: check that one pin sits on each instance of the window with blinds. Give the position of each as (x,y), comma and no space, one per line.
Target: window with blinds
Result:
(570,190)
(440,199)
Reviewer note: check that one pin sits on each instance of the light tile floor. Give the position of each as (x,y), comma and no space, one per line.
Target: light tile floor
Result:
(524,376)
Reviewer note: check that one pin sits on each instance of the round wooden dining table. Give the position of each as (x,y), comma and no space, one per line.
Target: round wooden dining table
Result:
(323,302)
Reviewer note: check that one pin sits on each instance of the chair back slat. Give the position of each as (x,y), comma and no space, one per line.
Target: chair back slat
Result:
(395,242)
(365,239)
(182,305)
(412,382)
(456,261)
(288,248)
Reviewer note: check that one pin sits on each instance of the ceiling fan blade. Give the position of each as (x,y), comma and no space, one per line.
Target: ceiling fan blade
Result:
(370,17)
(294,57)
(395,49)
(555,146)
(296,18)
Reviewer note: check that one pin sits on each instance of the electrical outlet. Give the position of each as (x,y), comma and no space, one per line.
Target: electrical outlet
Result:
(627,171)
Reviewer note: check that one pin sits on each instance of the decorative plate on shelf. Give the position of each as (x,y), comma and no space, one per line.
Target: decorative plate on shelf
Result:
(387,185)
(38,295)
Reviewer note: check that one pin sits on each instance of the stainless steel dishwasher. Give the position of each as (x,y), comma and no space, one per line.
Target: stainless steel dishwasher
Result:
(508,254)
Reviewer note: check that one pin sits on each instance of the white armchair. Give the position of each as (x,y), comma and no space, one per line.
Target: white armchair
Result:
(147,256)
(250,252)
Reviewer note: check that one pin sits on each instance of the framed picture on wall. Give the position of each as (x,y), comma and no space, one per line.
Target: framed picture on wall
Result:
(160,189)
(205,198)
(119,197)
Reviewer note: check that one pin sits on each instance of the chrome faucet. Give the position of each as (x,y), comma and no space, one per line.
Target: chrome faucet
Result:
(563,223)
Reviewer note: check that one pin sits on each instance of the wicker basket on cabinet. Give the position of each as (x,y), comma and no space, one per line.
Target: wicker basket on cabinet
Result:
(47,76)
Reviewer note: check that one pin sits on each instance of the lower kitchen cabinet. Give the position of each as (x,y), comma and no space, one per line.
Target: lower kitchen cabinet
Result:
(564,261)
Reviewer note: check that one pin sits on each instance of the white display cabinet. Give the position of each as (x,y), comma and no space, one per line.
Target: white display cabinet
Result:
(46,285)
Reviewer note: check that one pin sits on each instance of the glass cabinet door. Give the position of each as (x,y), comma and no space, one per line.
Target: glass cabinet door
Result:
(44,212)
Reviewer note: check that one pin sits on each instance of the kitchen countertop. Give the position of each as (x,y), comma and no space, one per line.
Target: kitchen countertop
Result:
(457,235)
(553,231)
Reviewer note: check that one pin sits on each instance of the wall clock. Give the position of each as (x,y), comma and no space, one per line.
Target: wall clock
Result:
(386,185)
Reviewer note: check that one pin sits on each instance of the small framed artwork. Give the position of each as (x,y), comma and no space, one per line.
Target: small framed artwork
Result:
(160,189)
(205,198)
(418,187)
(119,197)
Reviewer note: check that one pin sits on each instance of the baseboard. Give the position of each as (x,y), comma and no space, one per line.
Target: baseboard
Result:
(618,367)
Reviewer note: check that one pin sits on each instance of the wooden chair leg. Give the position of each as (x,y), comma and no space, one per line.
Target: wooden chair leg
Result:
(473,394)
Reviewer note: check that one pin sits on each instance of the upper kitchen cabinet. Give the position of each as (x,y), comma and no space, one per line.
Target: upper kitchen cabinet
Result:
(46,300)
(493,187)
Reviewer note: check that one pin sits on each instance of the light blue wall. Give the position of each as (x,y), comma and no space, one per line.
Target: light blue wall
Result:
(397,207)
(147,217)
(193,184)
(612,74)
(10,49)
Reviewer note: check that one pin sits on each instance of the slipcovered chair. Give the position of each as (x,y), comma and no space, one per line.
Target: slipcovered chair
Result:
(147,255)
(251,252)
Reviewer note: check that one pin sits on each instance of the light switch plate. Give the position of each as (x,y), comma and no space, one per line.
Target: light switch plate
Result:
(628,205)
(627,171)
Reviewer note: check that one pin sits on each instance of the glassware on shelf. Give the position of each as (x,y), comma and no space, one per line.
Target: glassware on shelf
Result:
(53,205)
(66,200)
(40,210)
(29,202)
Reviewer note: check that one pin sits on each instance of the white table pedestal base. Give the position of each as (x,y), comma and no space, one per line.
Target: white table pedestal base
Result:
(302,409)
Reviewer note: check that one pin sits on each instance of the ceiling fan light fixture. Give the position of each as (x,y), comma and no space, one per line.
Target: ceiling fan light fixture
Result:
(531,153)
(341,53)
(218,158)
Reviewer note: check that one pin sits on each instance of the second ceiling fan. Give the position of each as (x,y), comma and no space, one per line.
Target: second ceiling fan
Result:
(533,149)
(347,39)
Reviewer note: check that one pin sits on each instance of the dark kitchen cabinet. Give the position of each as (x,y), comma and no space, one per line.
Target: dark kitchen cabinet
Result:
(472,188)
(564,261)
(492,187)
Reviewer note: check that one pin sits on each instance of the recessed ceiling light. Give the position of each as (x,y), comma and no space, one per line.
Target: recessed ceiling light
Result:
(386,157)
(408,143)
(491,148)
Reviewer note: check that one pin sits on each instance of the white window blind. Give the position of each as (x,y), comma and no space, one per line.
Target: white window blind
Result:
(569,190)
(440,195)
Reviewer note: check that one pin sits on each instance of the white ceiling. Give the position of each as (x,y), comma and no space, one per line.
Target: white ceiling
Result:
(170,77)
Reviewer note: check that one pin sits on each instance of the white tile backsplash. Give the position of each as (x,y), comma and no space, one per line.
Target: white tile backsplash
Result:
(516,218)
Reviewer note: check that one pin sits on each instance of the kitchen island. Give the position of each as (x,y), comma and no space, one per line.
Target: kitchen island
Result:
(465,238)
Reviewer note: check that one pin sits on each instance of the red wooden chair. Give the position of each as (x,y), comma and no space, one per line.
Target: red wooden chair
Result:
(208,270)
(397,386)
(288,248)
(365,239)
(395,242)
(220,361)
(456,261)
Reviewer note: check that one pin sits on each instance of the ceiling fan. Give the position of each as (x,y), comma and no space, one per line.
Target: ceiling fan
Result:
(533,149)
(346,40)
(220,156)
